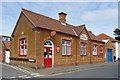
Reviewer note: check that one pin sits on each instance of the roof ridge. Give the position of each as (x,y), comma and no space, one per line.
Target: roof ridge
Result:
(105,35)
(94,37)
(44,16)
(80,25)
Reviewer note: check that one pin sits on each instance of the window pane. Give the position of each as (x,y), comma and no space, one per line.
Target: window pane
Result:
(63,41)
(50,51)
(48,43)
(63,50)
(94,49)
(68,43)
(25,51)
(25,41)
(21,52)
(22,47)
(81,48)
(68,50)
(45,53)
(25,47)
(22,42)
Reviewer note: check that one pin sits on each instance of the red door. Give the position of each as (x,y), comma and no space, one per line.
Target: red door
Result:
(47,57)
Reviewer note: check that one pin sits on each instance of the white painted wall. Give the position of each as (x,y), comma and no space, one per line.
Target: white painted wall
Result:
(117,50)
(7,55)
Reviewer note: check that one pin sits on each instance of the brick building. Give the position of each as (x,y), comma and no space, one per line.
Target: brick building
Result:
(110,47)
(39,41)
(5,48)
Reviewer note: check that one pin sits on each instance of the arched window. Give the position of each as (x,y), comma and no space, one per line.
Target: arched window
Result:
(48,43)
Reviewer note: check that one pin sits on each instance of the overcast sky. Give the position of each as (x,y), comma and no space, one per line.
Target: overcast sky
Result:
(99,17)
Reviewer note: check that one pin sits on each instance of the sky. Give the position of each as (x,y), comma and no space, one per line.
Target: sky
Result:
(99,17)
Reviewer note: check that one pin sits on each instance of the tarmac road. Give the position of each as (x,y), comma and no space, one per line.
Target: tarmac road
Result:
(103,71)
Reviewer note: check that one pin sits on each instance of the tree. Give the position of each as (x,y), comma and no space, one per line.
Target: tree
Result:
(117,33)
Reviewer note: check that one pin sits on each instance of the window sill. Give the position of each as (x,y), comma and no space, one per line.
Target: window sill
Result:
(23,55)
(95,55)
(83,55)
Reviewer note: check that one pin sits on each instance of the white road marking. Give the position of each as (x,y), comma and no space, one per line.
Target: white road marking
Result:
(11,77)
(38,75)
(28,77)
(34,74)
(22,76)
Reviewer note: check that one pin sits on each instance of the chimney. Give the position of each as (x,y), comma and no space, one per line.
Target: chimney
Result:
(62,18)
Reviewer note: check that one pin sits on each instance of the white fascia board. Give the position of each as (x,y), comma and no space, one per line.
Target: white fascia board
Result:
(75,32)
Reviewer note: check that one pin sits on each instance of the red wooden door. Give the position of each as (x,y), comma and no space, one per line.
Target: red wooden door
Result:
(47,57)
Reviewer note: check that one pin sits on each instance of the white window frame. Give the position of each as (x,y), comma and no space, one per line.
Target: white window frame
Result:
(100,51)
(83,48)
(23,52)
(95,49)
(65,48)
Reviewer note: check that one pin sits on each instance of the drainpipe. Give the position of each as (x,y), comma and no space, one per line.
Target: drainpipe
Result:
(90,51)
(36,63)
(76,53)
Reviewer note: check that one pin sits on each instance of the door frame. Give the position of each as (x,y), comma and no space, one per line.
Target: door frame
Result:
(52,50)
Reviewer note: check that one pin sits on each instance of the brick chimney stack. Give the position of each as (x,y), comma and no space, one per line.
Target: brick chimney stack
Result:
(62,17)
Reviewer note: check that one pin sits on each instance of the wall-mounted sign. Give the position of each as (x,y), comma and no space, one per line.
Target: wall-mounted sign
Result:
(53,33)
(83,37)
(58,49)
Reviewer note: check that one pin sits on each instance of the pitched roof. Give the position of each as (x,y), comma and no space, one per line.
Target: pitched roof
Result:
(78,29)
(45,22)
(94,37)
(41,21)
(103,36)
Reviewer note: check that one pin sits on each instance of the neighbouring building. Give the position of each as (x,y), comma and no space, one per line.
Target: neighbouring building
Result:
(110,47)
(5,48)
(39,41)
(97,48)
(117,44)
